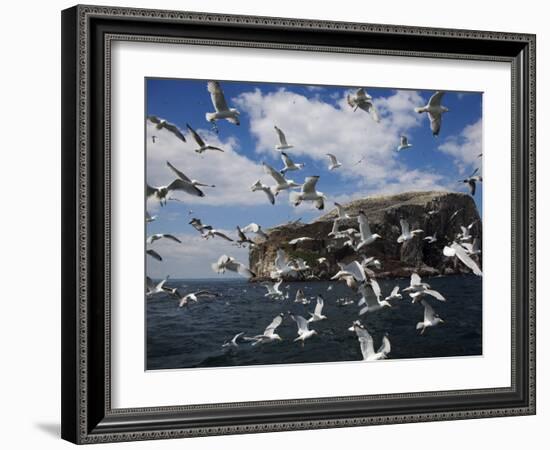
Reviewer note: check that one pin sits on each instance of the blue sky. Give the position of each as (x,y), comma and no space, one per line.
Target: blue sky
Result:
(316,120)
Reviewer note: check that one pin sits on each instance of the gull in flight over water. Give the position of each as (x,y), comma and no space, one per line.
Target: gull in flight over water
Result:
(154,254)
(282,266)
(301,298)
(367,237)
(303,329)
(417,289)
(471,181)
(458,251)
(228,263)
(220,105)
(259,186)
(363,101)
(367,344)
(162,123)
(406,233)
(403,144)
(269,334)
(309,193)
(435,111)
(157,236)
(161,192)
(431,319)
(153,289)
(431,239)
(371,298)
(283,145)
(233,342)
(317,314)
(273,290)
(200,142)
(289,164)
(334,163)
(282,182)
(194,297)
(394,295)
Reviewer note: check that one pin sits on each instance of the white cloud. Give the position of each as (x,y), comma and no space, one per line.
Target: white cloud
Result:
(465,147)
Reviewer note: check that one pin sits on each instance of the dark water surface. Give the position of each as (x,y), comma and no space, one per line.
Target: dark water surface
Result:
(193,336)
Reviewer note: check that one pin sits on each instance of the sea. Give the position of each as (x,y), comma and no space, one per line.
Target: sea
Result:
(192,337)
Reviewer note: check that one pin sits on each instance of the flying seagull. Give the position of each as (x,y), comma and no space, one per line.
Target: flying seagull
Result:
(162,123)
(282,182)
(334,163)
(283,145)
(431,319)
(363,101)
(395,295)
(194,297)
(371,299)
(471,181)
(456,250)
(303,329)
(220,105)
(301,298)
(213,233)
(154,254)
(403,144)
(228,263)
(367,237)
(273,290)
(161,192)
(406,233)
(282,266)
(157,236)
(200,142)
(431,239)
(185,178)
(269,334)
(259,186)
(417,289)
(435,111)
(367,344)
(256,229)
(233,342)
(289,164)
(243,238)
(153,289)
(317,314)
(309,193)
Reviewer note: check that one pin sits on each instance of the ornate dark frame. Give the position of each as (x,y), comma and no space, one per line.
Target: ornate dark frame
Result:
(87,33)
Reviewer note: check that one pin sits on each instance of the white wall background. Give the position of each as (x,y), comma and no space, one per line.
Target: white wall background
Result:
(30,222)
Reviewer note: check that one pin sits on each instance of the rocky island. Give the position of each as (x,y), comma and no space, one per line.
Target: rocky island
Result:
(437,213)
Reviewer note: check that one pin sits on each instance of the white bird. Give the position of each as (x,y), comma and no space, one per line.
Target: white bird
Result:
(200,142)
(431,239)
(157,236)
(233,342)
(317,314)
(194,297)
(309,193)
(363,101)
(269,334)
(322,260)
(273,290)
(417,289)
(256,229)
(471,181)
(228,263)
(161,192)
(212,233)
(282,266)
(355,322)
(406,233)
(431,319)
(289,164)
(243,238)
(371,299)
(366,236)
(149,218)
(153,254)
(301,298)
(472,248)
(356,270)
(153,289)
(300,240)
(298,264)
(465,235)
(303,329)
(259,186)
(334,163)
(367,345)
(282,182)
(162,123)
(371,261)
(435,111)
(283,145)
(341,211)
(456,250)
(220,105)
(403,144)
(394,295)
(198,225)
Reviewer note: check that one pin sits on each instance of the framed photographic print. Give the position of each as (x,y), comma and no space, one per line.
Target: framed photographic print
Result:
(282,224)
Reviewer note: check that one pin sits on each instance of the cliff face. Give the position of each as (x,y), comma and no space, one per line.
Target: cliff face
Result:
(433,212)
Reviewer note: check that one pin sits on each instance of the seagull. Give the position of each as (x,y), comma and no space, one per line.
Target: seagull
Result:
(162,123)
(153,289)
(161,193)
(289,164)
(213,233)
(317,315)
(334,163)
(256,229)
(154,254)
(341,211)
(282,182)
(355,322)
(269,334)
(299,264)
(300,240)
(395,295)
(157,236)
(465,236)
(303,329)
(367,345)
(456,250)
(417,289)
(200,142)
(198,225)
(243,239)
(472,248)
(453,215)
(149,218)
(431,239)
(431,319)
(406,233)
(364,101)
(371,299)
(194,297)
(282,266)
(233,342)
(228,263)
(273,290)
(309,193)
(403,144)
(435,111)
(222,110)
(283,145)
(259,186)
(364,230)
(301,298)
(354,269)
(471,181)
(371,262)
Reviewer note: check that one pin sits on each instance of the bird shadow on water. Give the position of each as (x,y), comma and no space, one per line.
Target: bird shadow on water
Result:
(53,429)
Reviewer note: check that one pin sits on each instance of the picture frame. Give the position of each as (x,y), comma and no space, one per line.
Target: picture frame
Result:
(87,35)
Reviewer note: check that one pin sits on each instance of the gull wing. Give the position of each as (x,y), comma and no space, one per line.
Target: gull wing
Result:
(375,288)
(222,235)
(434,294)
(415,279)
(355,269)
(404,227)
(251,228)
(174,129)
(466,259)
(180,185)
(205,293)
(241,269)
(154,254)
(309,184)
(270,195)
(288,162)
(385,348)
(364,228)
(276,285)
(273,325)
(300,296)
(282,138)
(404,141)
(319,306)
(435,122)
(171,237)
(178,173)
(196,136)
(394,291)
(279,179)
(332,158)
(150,284)
(435,100)
(365,341)
(154,119)
(429,313)
(448,251)
(150,191)
(216,94)
(302,323)
(340,210)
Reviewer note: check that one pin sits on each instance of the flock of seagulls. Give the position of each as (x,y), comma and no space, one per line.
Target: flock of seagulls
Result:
(359,276)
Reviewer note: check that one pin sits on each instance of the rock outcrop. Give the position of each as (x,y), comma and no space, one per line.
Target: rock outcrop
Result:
(436,212)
